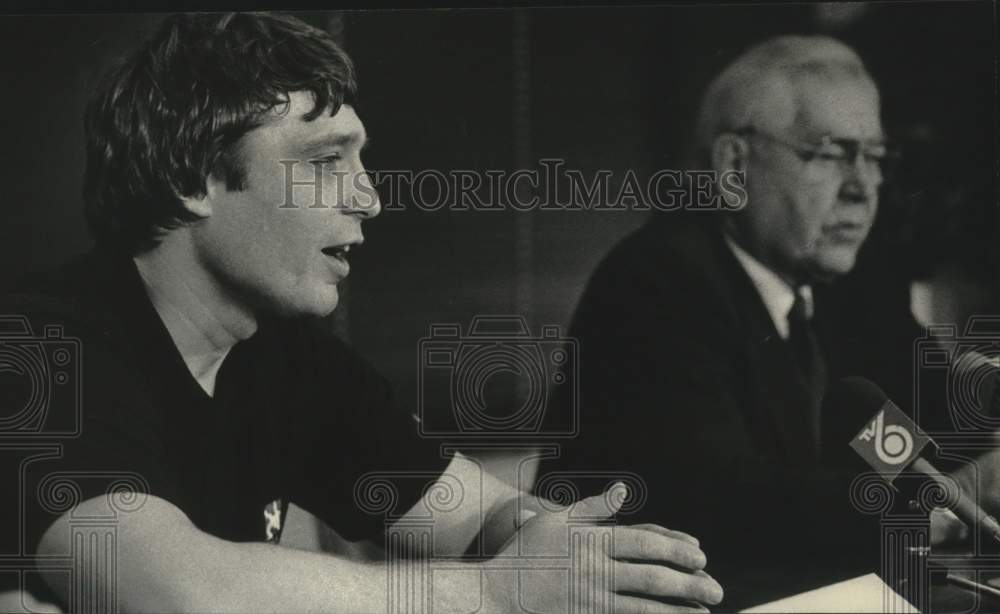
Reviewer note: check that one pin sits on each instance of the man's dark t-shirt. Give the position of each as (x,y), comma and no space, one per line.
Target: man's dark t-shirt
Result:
(97,397)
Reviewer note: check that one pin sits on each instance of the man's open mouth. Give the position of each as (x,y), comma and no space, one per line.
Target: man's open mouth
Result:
(341,251)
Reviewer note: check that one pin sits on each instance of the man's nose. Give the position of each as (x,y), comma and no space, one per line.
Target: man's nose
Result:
(362,198)
(861,181)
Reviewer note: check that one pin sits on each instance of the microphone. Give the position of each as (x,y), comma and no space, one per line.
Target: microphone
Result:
(891,443)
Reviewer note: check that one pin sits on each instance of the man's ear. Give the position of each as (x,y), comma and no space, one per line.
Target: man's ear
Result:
(729,153)
(202,204)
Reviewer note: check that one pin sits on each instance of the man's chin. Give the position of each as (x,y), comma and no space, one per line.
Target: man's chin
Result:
(319,305)
(329,303)
(831,265)
(330,309)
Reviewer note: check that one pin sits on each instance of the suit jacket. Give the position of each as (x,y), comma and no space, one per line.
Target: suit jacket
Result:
(685,381)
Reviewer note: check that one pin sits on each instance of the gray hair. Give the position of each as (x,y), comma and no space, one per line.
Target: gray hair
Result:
(758,88)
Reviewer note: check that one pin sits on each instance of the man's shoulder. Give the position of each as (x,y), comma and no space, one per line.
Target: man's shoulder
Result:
(59,331)
(66,298)
(675,260)
(670,244)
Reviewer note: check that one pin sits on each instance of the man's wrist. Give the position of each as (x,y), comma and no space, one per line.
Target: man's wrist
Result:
(501,523)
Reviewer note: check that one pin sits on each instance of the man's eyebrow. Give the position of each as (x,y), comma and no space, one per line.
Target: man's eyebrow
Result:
(336,140)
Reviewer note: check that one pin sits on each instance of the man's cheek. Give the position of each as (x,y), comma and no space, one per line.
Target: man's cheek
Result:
(802,226)
(818,211)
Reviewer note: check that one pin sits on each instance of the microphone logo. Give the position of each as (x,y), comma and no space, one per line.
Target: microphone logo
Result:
(890,441)
(893,443)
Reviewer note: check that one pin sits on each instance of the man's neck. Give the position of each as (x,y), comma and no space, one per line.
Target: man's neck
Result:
(736,236)
(203,321)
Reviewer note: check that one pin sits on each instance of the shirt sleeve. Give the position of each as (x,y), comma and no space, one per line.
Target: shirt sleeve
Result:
(77,421)
(355,458)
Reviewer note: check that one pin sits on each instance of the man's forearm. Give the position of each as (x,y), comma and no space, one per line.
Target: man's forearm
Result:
(261,577)
(163,563)
(215,575)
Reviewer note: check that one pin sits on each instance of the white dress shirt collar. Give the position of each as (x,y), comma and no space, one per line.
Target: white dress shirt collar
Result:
(777,295)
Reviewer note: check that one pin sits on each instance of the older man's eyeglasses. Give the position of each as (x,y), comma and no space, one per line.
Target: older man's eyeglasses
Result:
(831,154)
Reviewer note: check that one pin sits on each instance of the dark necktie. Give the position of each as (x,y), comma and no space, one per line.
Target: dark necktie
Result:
(808,359)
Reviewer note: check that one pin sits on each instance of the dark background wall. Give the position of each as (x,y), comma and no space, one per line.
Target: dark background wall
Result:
(601,88)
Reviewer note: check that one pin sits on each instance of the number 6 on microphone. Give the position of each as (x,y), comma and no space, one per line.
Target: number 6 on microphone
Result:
(890,441)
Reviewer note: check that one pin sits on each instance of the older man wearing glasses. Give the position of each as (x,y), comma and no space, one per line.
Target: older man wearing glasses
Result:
(701,371)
